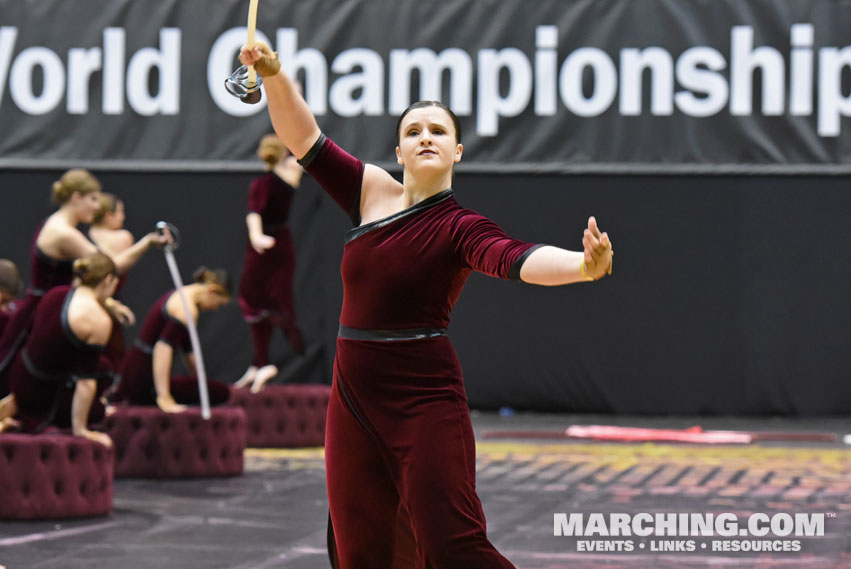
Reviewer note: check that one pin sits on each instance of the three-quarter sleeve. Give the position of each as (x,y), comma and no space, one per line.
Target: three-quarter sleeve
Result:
(176,335)
(484,246)
(258,195)
(339,173)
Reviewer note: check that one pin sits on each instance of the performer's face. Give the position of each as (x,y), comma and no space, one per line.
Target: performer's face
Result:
(115,219)
(85,205)
(427,140)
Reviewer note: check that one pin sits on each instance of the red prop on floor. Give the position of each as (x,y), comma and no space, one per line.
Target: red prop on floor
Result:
(150,443)
(50,476)
(283,416)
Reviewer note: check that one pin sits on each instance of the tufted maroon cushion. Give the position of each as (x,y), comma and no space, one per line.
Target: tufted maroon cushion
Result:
(152,444)
(54,476)
(291,415)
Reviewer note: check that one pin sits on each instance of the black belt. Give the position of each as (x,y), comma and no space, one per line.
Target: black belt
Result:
(389,335)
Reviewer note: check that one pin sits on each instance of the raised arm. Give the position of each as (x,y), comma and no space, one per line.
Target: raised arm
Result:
(292,119)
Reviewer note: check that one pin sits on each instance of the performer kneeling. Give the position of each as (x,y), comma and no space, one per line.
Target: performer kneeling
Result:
(57,377)
(146,377)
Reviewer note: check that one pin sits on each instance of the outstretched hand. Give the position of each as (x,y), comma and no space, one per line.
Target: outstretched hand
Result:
(598,250)
(261,56)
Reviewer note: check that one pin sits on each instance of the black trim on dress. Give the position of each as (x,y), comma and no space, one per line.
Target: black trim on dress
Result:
(514,271)
(416,208)
(305,160)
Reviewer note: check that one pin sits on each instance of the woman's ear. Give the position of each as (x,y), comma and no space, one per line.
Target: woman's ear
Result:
(459,150)
(399,157)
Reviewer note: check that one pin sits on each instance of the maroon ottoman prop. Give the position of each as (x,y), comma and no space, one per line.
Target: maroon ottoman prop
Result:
(152,444)
(54,476)
(282,416)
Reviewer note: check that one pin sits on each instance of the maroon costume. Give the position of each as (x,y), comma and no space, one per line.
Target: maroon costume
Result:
(266,286)
(400,451)
(136,385)
(45,274)
(44,371)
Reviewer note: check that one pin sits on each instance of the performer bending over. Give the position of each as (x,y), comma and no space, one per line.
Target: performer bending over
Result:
(59,374)
(400,451)
(146,372)
(56,244)
(266,286)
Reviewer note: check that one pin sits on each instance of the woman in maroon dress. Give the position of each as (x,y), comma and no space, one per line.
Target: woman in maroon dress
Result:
(56,244)
(146,371)
(400,451)
(59,374)
(266,286)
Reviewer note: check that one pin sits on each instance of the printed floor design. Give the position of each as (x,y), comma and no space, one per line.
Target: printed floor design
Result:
(274,516)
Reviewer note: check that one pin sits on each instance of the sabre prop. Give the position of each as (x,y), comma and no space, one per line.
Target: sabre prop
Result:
(244,83)
(200,372)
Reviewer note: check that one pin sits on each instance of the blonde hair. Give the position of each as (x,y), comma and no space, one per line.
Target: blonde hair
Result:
(108,204)
(271,149)
(10,278)
(76,180)
(91,270)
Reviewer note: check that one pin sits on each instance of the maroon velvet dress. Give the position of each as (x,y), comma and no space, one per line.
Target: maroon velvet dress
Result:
(46,273)
(45,369)
(136,386)
(266,285)
(400,451)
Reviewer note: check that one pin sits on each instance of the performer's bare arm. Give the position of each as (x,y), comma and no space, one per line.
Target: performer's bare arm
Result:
(81,403)
(551,266)
(292,119)
(260,242)
(70,243)
(163,357)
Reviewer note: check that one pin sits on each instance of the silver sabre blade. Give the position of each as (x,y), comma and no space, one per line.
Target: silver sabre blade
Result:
(200,370)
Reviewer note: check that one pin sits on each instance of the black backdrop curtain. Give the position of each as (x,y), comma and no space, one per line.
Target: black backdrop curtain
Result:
(728,295)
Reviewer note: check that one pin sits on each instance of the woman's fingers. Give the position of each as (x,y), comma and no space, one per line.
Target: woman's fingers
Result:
(592,227)
(250,55)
